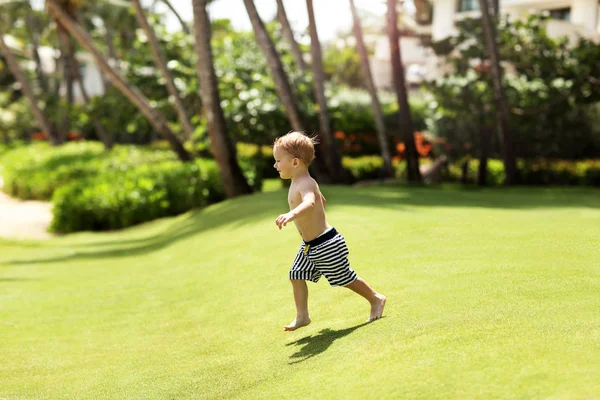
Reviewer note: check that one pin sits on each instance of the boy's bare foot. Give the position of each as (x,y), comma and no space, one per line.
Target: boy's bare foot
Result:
(297,323)
(377,308)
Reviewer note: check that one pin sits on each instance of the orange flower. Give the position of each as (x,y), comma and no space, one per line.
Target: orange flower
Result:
(73,136)
(339,135)
(39,136)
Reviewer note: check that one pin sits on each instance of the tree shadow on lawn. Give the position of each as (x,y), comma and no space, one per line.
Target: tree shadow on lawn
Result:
(17,280)
(197,221)
(250,209)
(318,344)
(396,195)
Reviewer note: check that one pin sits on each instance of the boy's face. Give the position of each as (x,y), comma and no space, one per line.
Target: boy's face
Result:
(285,163)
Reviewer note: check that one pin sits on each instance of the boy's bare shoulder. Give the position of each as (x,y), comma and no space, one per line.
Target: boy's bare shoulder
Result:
(308,183)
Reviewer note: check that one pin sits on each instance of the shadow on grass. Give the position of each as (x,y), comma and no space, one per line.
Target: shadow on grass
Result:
(17,280)
(317,344)
(397,195)
(250,209)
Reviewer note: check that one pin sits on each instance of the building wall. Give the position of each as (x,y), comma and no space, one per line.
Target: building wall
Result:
(417,61)
(584,16)
(92,77)
(444,12)
(584,13)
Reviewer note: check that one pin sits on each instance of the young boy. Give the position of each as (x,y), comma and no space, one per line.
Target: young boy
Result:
(323,250)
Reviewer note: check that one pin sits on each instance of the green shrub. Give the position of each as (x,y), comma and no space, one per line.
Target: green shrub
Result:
(545,172)
(495,172)
(256,162)
(370,167)
(36,171)
(363,168)
(534,172)
(144,193)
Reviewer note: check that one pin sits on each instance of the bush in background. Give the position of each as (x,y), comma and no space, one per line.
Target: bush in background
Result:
(118,200)
(534,172)
(36,171)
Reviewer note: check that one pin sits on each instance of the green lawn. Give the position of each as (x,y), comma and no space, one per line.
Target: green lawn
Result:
(491,294)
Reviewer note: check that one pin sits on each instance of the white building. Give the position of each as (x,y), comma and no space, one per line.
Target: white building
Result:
(91,75)
(572,18)
(419,61)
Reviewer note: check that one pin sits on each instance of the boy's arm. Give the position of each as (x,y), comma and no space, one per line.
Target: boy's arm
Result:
(307,192)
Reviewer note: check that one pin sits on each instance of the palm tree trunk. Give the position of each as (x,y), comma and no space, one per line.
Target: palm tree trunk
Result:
(157,120)
(282,84)
(330,148)
(66,56)
(503,127)
(288,33)
(496,5)
(33,29)
(283,87)
(20,76)
(388,170)
(184,26)
(221,146)
(485,142)
(106,138)
(405,118)
(484,155)
(112,56)
(161,63)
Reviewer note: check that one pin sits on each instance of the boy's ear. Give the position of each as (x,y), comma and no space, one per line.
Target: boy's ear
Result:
(296,162)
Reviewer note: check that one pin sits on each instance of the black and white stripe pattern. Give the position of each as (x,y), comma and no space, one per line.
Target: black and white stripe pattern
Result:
(329,258)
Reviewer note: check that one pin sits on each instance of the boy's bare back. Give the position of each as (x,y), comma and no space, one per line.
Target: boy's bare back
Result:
(314,222)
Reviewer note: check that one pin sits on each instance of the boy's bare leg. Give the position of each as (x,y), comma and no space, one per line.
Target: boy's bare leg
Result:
(377,300)
(301,300)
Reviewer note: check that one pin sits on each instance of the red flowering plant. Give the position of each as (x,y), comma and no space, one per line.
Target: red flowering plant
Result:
(423,144)
(356,144)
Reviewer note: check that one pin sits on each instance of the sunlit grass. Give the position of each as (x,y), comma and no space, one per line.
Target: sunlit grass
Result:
(492,294)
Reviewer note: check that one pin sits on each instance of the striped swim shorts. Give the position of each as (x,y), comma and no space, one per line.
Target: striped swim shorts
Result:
(326,255)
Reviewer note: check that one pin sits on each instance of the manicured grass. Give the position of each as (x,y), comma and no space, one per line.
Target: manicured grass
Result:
(492,294)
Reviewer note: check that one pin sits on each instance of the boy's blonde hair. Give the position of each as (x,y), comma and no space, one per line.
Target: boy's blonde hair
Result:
(298,145)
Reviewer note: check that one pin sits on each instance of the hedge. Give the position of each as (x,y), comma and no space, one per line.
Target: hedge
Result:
(118,200)
(34,172)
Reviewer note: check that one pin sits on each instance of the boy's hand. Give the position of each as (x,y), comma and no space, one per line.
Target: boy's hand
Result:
(283,219)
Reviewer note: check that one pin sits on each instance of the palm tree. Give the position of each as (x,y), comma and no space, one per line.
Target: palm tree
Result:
(184,25)
(405,118)
(34,34)
(333,154)
(20,76)
(283,87)
(102,134)
(157,120)
(161,63)
(503,127)
(288,33)
(388,170)
(221,146)
(66,56)
(423,11)
(282,84)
